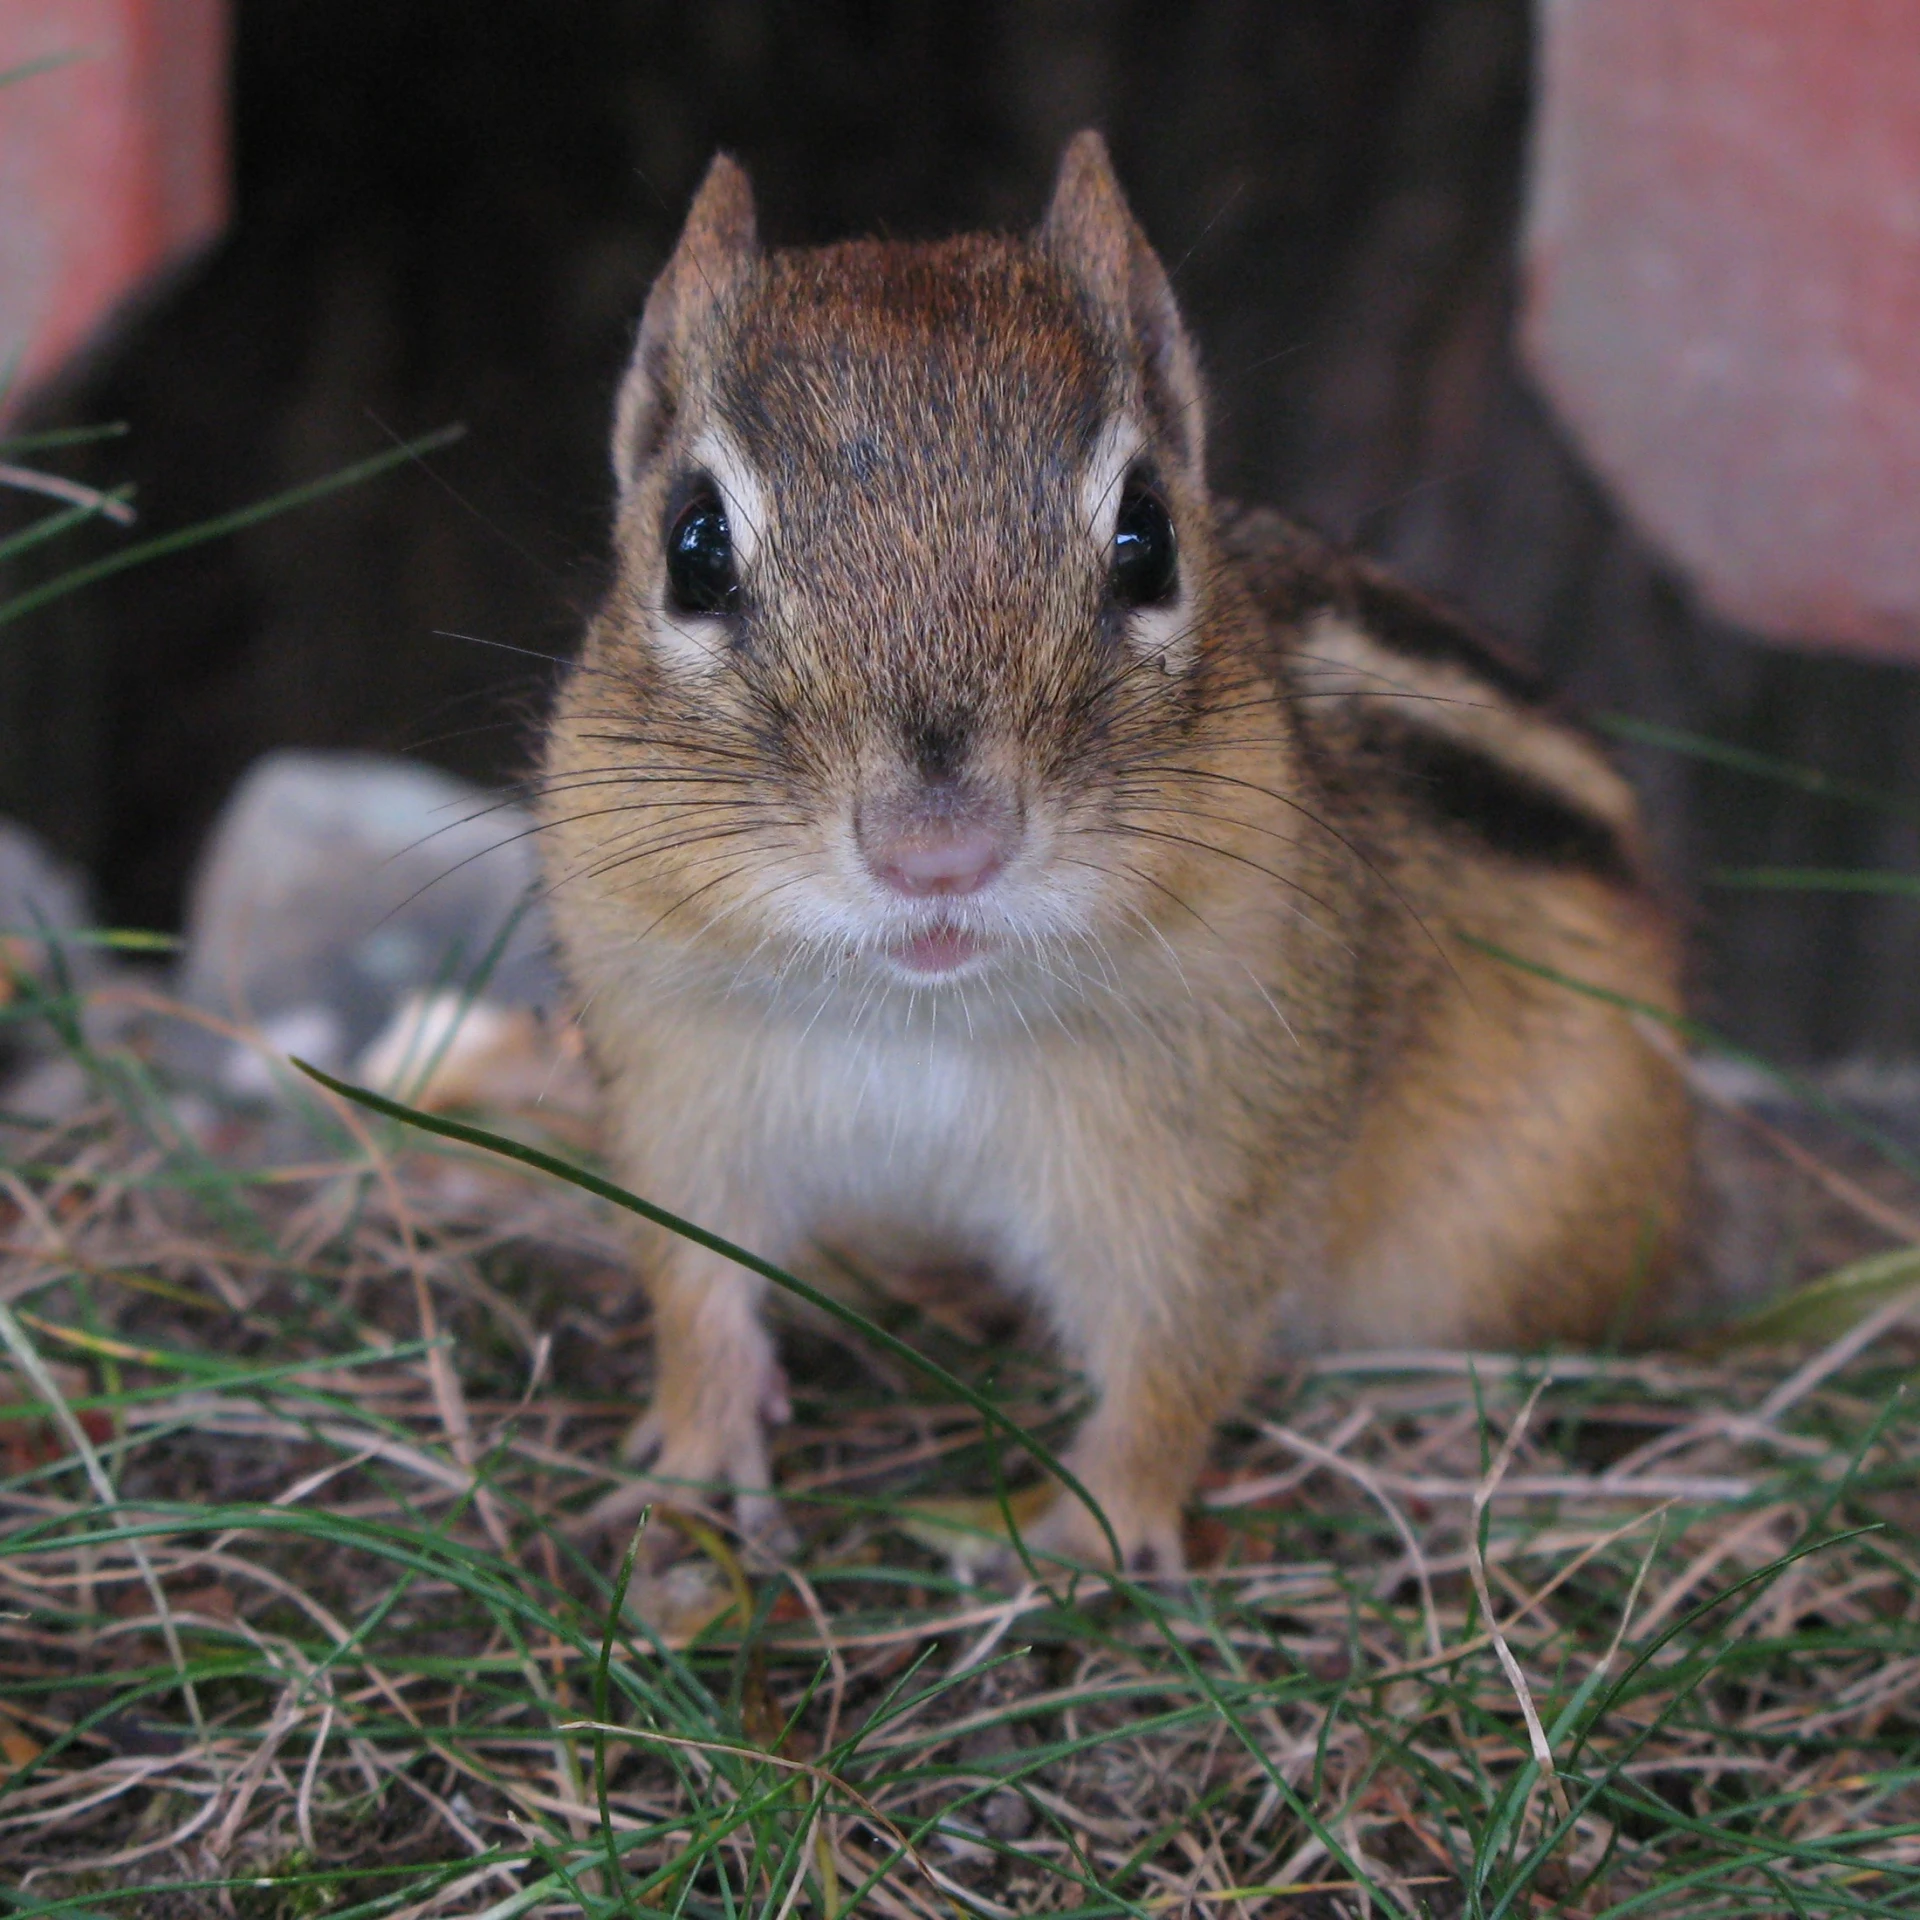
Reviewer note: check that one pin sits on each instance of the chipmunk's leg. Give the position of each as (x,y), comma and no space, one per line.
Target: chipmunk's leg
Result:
(1170,1350)
(717,1383)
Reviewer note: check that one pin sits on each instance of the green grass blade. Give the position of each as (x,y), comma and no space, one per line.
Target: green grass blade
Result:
(1698,1034)
(11,444)
(46,63)
(1762,766)
(1824,1309)
(51,525)
(226,523)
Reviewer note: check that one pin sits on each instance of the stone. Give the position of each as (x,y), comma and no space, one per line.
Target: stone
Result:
(43,902)
(1721,257)
(39,895)
(335,888)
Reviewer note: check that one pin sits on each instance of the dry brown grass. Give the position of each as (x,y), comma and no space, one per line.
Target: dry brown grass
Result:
(294,1622)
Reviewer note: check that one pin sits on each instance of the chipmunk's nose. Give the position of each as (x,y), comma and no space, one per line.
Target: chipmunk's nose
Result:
(940,842)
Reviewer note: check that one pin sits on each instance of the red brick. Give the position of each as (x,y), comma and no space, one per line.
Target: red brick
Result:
(111,167)
(1722,263)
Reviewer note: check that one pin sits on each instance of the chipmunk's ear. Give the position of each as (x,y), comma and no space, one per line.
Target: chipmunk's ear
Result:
(716,251)
(1089,230)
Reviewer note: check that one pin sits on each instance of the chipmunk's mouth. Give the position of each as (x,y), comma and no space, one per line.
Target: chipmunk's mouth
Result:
(938,951)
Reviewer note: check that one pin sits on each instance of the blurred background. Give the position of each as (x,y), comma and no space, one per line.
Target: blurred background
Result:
(1428,247)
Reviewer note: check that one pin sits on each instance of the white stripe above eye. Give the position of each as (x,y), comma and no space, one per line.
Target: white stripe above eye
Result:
(1122,441)
(695,642)
(741,493)
(1163,634)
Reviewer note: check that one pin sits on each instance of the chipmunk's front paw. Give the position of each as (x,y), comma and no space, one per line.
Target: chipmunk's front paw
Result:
(700,1477)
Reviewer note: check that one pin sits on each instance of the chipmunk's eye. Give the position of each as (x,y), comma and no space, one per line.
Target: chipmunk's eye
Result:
(700,570)
(1145,563)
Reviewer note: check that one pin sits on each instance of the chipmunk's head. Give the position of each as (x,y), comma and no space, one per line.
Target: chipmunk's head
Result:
(914,574)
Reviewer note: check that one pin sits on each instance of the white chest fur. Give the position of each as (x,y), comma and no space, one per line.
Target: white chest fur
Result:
(826,1129)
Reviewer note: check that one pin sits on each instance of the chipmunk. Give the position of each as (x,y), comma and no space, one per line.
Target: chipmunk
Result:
(966,833)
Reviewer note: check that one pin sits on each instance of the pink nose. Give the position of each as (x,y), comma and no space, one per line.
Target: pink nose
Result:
(936,856)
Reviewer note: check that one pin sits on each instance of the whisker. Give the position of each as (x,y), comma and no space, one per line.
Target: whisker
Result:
(528,653)
(626,857)
(1227,853)
(1366,860)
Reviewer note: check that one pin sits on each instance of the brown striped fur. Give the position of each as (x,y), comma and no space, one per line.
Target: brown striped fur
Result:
(1241,1066)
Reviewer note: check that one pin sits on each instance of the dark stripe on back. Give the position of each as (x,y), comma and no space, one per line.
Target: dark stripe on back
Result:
(1407,622)
(1508,813)
(1295,573)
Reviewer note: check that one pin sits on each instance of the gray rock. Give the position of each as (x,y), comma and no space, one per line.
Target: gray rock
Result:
(40,895)
(337,884)
(43,903)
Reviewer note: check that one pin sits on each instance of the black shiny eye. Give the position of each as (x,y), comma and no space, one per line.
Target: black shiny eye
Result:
(700,570)
(1145,563)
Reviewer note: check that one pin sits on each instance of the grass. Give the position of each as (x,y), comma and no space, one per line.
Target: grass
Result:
(294,1619)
